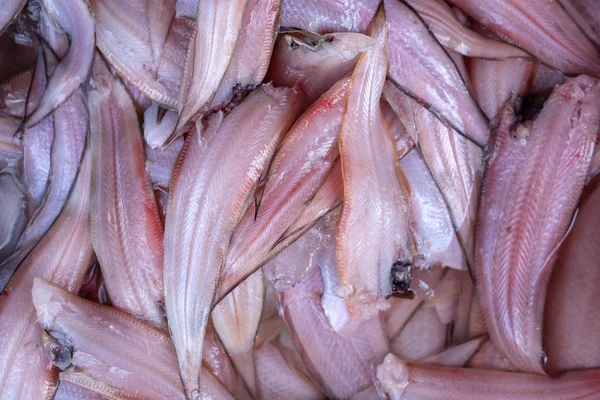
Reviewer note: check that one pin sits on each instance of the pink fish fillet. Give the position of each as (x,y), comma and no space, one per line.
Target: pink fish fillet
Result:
(561,43)
(452,34)
(299,168)
(63,256)
(373,234)
(223,166)
(421,67)
(571,317)
(402,381)
(534,176)
(124,222)
(324,16)
(139,363)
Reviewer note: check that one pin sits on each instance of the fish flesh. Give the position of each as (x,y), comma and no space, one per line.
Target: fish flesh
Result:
(63,256)
(326,16)
(420,66)
(252,54)
(233,160)
(80,331)
(299,168)
(125,225)
(315,62)
(373,235)
(560,44)
(403,381)
(452,34)
(570,315)
(526,207)
(209,55)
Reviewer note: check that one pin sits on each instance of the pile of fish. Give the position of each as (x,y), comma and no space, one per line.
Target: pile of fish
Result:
(299,199)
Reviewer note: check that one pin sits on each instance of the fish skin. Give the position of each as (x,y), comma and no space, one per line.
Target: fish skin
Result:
(430,221)
(584,14)
(13,93)
(277,376)
(156,133)
(53,36)
(218,362)
(209,54)
(293,264)
(404,142)
(454,35)
(74,18)
(570,316)
(10,10)
(489,357)
(70,124)
(69,391)
(526,207)
(132,35)
(252,54)
(455,162)
(421,66)
(116,371)
(11,148)
(315,63)
(37,150)
(236,319)
(403,381)
(225,163)
(63,256)
(457,355)
(160,163)
(125,225)
(373,232)
(560,44)
(326,16)
(496,82)
(186,8)
(423,335)
(13,217)
(299,168)
(341,364)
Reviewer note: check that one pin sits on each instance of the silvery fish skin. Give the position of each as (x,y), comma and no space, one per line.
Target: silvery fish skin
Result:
(453,35)
(70,124)
(252,54)
(124,222)
(299,168)
(139,363)
(570,319)
(560,44)
(63,256)
(10,10)
(315,62)
(325,16)
(373,232)
(421,66)
(526,207)
(404,381)
(209,55)
(223,166)
(11,149)
(73,16)
(134,44)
